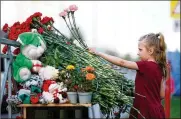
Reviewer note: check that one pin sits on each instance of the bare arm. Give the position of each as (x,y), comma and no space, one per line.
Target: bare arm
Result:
(162,89)
(116,60)
(163,83)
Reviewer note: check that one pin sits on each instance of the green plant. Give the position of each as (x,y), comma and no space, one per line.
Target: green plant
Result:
(88,76)
(71,77)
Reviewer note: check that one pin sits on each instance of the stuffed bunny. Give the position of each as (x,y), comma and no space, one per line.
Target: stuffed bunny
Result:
(32,47)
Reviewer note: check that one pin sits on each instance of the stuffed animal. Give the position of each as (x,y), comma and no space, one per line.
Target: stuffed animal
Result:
(32,47)
(24,96)
(56,93)
(48,73)
(57,89)
(46,98)
(34,81)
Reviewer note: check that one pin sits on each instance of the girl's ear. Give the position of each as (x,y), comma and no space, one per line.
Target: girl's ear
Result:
(151,50)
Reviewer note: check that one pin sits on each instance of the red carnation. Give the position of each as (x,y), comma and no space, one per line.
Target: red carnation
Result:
(14,32)
(25,27)
(29,20)
(16,24)
(37,14)
(40,30)
(46,20)
(51,19)
(5,28)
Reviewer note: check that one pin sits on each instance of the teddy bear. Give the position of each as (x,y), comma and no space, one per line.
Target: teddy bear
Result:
(56,93)
(32,47)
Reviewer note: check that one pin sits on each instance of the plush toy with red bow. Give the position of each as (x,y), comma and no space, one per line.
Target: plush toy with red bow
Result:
(26,62)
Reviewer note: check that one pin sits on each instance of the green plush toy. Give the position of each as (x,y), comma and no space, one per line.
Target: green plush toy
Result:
(32,47)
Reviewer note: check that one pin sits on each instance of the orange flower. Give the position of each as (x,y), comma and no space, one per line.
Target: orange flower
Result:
(90,76)
(89,69)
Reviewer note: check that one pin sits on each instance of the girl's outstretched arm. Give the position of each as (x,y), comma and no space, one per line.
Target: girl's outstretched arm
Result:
(162,89)
(116,60)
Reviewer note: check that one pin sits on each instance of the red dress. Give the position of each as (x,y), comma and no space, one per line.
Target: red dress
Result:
(147,84)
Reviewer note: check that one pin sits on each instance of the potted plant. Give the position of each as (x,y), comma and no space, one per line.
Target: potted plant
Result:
(69,77)
(85,85)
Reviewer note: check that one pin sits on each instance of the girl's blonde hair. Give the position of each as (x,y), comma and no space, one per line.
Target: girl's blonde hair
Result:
(158,43)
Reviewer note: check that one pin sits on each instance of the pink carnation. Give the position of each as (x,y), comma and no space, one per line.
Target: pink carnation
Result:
(73,8)
(63,14)
(66,10)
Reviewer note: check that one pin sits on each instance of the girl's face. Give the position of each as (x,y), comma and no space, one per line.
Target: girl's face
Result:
(142,51)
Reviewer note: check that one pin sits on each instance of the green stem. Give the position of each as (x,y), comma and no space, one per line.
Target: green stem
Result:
(59,32)
(72,14)
(72,26)
(72,32)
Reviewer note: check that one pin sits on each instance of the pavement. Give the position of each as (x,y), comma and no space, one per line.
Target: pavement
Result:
(5,116)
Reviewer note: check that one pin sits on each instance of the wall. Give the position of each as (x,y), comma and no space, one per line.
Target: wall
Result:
(174,57)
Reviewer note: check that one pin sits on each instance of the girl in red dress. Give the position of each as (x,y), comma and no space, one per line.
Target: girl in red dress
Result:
(151,73)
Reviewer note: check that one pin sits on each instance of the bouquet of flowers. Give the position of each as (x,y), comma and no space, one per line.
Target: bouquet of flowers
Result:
(110,88)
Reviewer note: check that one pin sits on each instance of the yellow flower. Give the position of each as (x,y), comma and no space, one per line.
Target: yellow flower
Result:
(70,67)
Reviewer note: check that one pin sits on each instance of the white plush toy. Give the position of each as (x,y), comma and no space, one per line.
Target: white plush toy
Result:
(47,97)
(32,47)
(59,87)
(48,73)
(58,91)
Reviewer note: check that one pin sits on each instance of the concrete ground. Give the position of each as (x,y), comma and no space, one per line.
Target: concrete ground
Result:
(5,116)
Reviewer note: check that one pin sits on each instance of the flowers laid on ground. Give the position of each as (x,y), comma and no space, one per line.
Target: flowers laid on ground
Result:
(110,88)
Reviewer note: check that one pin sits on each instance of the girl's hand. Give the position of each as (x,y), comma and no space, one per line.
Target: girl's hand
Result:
(92,51)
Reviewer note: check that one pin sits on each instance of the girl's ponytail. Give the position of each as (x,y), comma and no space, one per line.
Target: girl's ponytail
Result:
(161,57)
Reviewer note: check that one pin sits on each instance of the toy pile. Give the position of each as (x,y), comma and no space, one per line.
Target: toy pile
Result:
(38,83)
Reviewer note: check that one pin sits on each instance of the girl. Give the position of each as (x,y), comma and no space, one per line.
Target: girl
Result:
(151,73)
